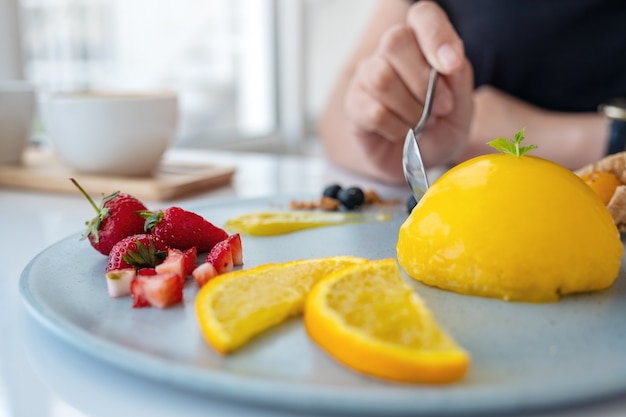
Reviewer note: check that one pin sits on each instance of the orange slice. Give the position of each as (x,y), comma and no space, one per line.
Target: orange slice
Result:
(369,319)
(234,307)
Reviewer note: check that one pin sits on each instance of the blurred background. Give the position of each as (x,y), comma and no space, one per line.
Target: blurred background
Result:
(251,74)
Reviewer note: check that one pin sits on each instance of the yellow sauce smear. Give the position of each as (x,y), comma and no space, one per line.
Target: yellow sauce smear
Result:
(278,223)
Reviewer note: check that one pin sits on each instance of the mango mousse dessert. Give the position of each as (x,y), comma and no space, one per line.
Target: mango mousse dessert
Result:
(511,226)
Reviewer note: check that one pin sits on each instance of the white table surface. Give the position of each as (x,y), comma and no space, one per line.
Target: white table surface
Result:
(42,376)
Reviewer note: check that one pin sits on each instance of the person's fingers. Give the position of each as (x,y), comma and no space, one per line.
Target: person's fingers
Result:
(436,36)
(369,115)
(380,80)
(452,132)
(399,47)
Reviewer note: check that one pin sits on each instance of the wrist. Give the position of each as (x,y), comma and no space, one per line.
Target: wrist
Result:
(615,113)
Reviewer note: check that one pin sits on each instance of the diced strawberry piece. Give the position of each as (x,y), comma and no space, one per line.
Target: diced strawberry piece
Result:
(118,282)
(138,293)
(226,254)
(203,273)
(161,290)
(221,257)
(164,290)
(174,263)
(190,256)
(236,249)
(147,271)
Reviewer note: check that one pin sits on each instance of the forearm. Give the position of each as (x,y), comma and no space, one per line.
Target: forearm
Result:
(570,139)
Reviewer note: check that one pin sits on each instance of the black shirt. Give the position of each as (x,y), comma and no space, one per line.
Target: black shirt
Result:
(567,55)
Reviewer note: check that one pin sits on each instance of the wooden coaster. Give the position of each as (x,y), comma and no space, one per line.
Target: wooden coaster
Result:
(42,171)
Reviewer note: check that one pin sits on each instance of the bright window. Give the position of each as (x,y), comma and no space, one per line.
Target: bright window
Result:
(220,56)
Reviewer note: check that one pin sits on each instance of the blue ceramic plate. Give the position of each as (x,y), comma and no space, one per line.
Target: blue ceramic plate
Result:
(524,356)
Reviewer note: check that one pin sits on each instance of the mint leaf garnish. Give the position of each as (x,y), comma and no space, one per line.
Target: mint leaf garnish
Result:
(512,147)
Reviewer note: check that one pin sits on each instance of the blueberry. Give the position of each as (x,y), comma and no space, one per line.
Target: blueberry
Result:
(332,191)
(410,204)
(351,198)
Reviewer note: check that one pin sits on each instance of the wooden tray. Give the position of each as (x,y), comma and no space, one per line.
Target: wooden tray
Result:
(42,171)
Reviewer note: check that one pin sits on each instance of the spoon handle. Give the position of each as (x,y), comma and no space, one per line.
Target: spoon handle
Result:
(428,103)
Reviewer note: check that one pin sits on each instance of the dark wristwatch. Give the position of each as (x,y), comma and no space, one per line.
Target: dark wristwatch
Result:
(615,111)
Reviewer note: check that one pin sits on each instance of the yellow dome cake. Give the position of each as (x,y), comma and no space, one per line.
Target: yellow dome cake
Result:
(513,227)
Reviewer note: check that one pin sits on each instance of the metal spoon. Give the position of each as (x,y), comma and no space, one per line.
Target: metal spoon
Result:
(411,157)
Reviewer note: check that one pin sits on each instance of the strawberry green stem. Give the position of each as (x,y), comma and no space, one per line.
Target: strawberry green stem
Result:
(83,192)
(93,225)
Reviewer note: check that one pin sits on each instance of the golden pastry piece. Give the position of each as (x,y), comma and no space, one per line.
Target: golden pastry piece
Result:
(616,165)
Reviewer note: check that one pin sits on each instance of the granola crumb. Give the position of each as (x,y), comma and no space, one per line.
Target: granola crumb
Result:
(372,197)
(302,205)
(328,204)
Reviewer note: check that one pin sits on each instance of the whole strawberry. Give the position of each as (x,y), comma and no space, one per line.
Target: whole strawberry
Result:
(182,229)
(117,217)
(137,251)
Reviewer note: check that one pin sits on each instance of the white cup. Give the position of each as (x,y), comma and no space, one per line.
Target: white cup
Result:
(17,110)
(123,134)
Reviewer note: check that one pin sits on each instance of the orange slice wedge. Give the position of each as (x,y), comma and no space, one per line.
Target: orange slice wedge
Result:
(234,307)
(369,319)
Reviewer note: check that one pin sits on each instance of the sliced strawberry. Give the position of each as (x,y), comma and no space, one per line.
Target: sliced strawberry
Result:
(147,271)
(190,256)
(221,257)
(203,273)
(174,262)
(160,290)
(236,248)
(118,282)
(182,229)
(136,251)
